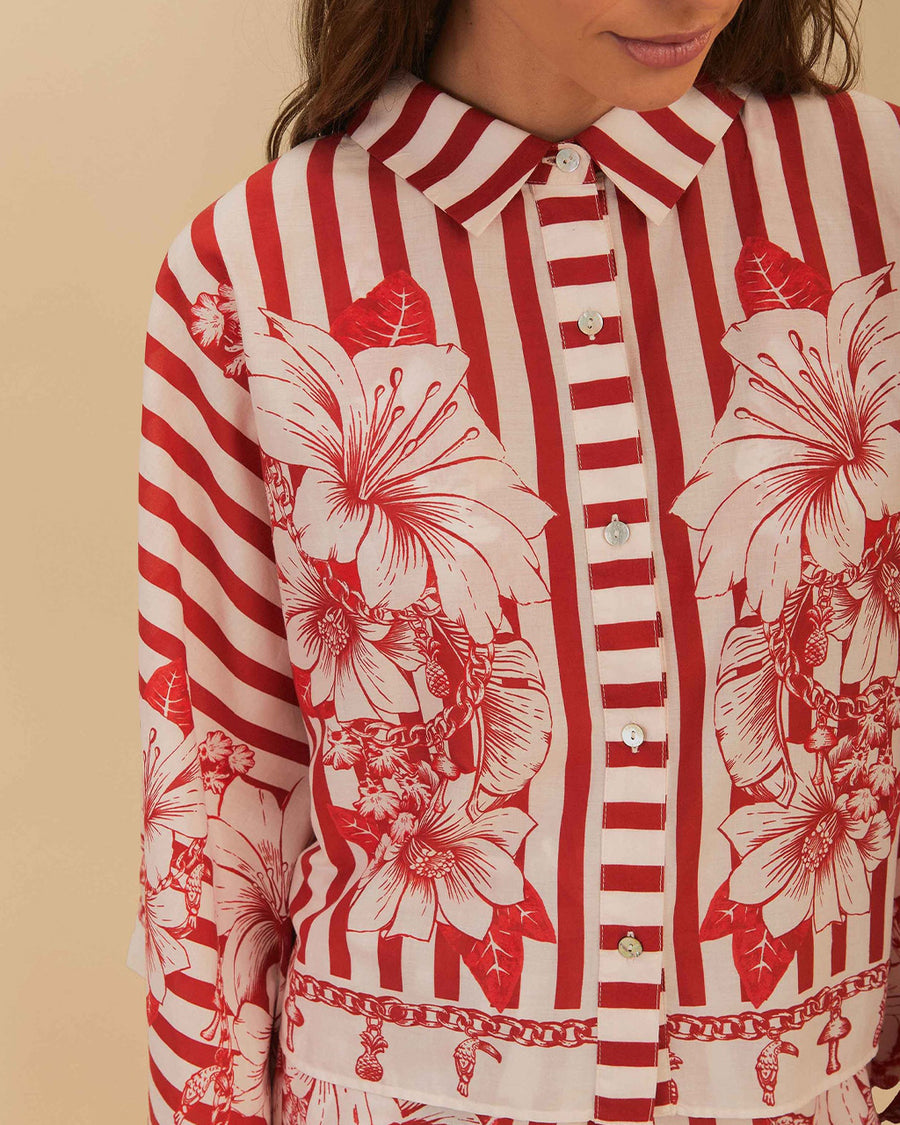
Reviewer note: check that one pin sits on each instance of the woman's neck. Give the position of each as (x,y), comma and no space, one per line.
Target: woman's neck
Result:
(482,57)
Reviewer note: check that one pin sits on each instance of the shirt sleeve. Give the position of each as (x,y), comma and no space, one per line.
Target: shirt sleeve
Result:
(884,1069)
(226,803)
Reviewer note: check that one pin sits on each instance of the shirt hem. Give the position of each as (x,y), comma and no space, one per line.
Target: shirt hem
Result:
(518,1114)
(780,1108)
(584,1116)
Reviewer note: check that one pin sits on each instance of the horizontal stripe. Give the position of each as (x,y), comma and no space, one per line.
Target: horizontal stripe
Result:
(612,1111)
(606,454)
(623,994)
(627,1054)
(600,392)
(563,209)
(635,634)
(586,270)
(632,695)
(621,572)
(633,814)
(636,877)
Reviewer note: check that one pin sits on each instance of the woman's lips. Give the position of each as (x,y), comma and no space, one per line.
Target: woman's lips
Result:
(654,53)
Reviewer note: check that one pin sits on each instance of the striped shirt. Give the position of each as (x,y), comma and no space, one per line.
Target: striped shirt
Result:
(519,561)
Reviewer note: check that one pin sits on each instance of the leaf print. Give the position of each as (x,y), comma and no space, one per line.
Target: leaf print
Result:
(495,960)
(396,311)
(402,474)
(514,726)
(167,692)
(769,278)
(747,715)
(530,916)
(761,958)
(724,916)
(354,827)
(806,449)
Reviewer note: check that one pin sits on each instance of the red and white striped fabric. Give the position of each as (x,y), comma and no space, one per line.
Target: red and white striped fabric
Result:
(520,622)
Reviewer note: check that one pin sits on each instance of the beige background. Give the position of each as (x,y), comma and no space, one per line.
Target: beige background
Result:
(119,122)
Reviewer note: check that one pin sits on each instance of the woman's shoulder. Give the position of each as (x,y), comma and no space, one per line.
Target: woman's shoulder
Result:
(817,105)
(237,231)
(851,134)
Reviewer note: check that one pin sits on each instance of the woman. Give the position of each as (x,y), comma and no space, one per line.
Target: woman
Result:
(519,495)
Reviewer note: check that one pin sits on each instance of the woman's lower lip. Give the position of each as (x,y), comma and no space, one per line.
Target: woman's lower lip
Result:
(663,54)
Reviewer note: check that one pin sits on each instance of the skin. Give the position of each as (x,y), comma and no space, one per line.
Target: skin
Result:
(552,67)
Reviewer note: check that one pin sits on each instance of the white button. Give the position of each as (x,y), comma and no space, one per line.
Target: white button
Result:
(616,531)
(590,322)
(629,946)
(632,735)
(568,159)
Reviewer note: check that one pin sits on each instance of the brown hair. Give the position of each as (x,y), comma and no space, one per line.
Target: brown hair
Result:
(348,48)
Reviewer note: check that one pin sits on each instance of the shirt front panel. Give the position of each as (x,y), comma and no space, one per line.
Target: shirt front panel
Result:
(739,975)
(506,324)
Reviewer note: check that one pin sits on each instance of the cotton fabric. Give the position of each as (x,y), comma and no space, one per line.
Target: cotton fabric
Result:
(518,606)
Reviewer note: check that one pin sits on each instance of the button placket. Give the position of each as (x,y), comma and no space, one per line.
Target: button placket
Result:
(623,600)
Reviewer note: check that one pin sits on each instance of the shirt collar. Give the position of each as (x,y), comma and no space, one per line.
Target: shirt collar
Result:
(470,163)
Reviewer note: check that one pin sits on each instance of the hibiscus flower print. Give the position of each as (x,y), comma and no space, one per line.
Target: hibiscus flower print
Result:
(402,476)
(215,322)
(354,657)
(252,883)
(173,804)
(867,613)
(447,867)
(251,1032)
(810,858)
(806,449)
